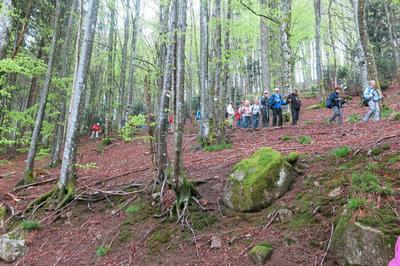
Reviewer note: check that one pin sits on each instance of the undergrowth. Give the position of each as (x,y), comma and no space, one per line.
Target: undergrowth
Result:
(30,225)
(305,140)
(341,152)
(218,147)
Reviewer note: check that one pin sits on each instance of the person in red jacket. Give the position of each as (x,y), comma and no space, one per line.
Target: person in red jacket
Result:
(96,128)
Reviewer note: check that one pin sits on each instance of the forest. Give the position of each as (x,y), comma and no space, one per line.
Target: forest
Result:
(200,132)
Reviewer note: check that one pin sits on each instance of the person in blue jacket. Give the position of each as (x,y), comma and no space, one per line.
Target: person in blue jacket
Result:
(335,102)
(275,102)
(371,94)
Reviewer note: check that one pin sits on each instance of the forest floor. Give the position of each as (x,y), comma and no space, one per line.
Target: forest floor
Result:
(95,234)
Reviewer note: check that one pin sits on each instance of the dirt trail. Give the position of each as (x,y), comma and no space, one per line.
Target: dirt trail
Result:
(73,239)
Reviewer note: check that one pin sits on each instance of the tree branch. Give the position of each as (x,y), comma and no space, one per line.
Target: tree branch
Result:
(274,20)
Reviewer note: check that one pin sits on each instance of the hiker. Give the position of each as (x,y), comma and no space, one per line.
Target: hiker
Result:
(372,96)
(246,114)
(237,117)
(198,116)
(231,113)
(256,113)
(295,104)
(95,129)
(275,102)
(335,102)
(264,109)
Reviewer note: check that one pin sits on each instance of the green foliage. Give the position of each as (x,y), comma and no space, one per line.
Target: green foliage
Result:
(286,138)
(42,153)
(341,152)
(396,116)
(101,251)
(132,210)
(369,183)
(218,147)
(92,165)
(293,157)
(4,162)
(343,72)
(132,126)
(354,118)
(106,141)
(356,203)
(305,140)
(386,111)
(30,225)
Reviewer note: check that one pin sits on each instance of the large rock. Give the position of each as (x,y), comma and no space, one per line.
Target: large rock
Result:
(12,245)
(257,181)
(357,244)
(261,252)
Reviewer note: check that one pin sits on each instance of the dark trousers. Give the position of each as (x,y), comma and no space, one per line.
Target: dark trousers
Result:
(265,116)
(277,117)
(295,115)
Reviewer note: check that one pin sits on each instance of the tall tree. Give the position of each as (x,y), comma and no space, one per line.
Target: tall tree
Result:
(66,183)
(392,39)
(64,71)
(5,25)
(286,20)
(332,40)
(162,128)
(364,38)
(204,108)
(28,175)
(264,49)
(318,54)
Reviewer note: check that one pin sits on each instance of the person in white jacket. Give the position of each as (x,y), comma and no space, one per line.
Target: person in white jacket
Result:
(230,112)
(373,96)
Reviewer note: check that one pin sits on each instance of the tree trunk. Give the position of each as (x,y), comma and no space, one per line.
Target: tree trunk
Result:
(318,66)
(162,126)
(28,175)
(5,25)
(393,42)
(131,77)
(66,183)
(180,85)
(332,41)
(227,48)
(58,137)
(122,101)
(286,9)
(204,108)
(364,38)
(362,63)
(264,49)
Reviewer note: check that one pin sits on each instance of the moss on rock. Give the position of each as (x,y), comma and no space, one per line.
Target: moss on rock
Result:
(258,180)
(293,157)
(261,252)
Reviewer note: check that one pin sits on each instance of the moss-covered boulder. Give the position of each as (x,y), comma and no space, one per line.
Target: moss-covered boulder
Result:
(358,244)
(12,246)
(293,157)
(257,181)
(261,252)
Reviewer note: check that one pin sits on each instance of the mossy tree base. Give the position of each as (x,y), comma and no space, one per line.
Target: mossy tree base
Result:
(28,178)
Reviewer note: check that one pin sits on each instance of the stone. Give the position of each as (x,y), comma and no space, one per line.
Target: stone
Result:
(261,252)
(285,215)
(335,193)
(12,246)
(358,244)
(258,181)
(216,242)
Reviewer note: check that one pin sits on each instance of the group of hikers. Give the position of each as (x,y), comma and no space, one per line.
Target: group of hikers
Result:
(249,114)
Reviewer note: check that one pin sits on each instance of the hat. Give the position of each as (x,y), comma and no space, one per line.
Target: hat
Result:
(276,89)
(265,92)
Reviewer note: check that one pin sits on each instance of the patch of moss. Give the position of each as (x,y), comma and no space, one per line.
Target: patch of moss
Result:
(201,220)
(316,106)
(30,225)
(218,147)
(369,182)
(353,118)
(301,221)
(106,141)
(305,140)
(286,138)
(261,252)
(386,112)
(396,117)
(394,159)
(101,251)
(158,238)
(384,219)
(132,210)
(379,149)
(293,157)
(356,203)
(3,213)
(341,152)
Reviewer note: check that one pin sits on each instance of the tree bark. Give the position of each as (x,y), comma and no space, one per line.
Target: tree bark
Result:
(364,38)
(392,39)
(318,54)
(5,25)
(28,175)
(162,127)
(332,41)
(66,183)
(58,137)
(264,49)
(204,108)
(286,9)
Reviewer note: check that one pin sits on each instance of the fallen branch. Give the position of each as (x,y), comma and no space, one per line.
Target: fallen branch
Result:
(7,174)
(35,184)
(329,244)
(388,137)
(13,197)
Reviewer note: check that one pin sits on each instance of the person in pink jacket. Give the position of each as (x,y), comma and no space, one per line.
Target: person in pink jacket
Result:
(396,260)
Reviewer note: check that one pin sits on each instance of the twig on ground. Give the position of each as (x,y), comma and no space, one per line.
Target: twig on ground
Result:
(329,244)
(7,174)
(394,210)
(270,221)
(14,198)
(35,184)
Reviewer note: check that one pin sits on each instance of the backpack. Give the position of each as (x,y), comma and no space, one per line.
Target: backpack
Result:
(364,101)
(329,103)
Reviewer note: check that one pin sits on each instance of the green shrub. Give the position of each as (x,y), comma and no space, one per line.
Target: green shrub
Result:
(341,152)
(30,225)
(135,122)
(305,140)
(106,141)
(132,210)
(353,118)
(286,138)
(368,182)
(356,203)
(4,162)
(396,116)
(386,111)
(218,147)
(309,95)
(101,251)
